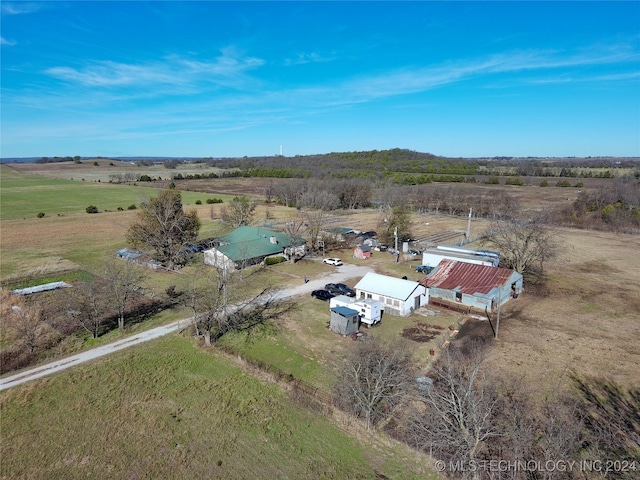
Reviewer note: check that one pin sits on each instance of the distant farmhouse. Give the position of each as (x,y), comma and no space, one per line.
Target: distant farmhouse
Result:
(339,234)
(247,246)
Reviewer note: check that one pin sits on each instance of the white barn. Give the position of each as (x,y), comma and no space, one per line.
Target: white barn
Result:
(397,296)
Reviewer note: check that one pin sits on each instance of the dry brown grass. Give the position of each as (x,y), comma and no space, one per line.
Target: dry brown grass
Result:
(585,318)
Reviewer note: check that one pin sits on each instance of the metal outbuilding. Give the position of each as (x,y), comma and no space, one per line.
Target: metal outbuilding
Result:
(477,286)
(344,320)
(433,256)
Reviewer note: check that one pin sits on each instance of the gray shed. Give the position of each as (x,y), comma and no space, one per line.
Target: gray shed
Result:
(344,320)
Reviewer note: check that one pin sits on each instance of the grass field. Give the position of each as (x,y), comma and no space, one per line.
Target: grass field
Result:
(584,321)
(171,410)
(24,195)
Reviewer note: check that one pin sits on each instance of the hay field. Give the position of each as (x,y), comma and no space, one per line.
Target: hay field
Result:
(105,169)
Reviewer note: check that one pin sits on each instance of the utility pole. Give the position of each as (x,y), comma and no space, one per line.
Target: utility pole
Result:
(468,234)
(395,234)
(499,304)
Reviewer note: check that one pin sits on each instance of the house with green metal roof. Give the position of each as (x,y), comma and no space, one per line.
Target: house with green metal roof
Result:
(247,246)
(339,233)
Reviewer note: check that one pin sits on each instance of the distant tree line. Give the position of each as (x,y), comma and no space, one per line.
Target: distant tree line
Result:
(58,159)
(412,168)
(614,207)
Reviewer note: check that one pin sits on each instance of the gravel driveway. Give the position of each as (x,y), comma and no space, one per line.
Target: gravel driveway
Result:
(341,274)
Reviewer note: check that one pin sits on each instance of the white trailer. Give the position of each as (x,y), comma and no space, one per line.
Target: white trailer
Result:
(370,310)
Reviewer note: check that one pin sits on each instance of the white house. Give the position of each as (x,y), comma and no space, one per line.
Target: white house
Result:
(396,295)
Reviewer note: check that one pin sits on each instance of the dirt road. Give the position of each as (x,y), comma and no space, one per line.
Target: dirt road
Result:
(341,274)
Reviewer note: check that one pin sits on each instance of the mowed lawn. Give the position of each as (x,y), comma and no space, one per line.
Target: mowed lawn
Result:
(169,409)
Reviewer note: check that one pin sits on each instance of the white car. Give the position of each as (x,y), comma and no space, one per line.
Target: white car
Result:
(333,261)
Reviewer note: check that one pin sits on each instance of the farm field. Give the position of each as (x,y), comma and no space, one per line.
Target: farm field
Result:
(583,322)
(23,196)
(106,169)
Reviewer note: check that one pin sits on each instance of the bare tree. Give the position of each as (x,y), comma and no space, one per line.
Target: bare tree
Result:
(525,244)
(317,198)
(123,279)
(294,229)
(24,322)
(459,415)
(164,227)
(374,378)
(217,311)
(239,212)
(88,304)
(315,221)
(289,191)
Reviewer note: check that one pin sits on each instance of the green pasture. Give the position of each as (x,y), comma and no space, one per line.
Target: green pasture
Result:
(169,409)
(24,196)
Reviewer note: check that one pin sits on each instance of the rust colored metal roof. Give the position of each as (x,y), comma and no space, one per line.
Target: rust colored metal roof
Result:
(466,277)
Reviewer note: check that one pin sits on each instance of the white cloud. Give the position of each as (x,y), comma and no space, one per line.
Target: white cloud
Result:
(9,43)
(227,69)
(18,8)
(312,57)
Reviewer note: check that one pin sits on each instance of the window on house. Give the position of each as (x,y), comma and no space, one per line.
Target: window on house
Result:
(459,296)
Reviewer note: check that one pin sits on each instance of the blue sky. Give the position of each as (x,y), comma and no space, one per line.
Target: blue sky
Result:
(229,79)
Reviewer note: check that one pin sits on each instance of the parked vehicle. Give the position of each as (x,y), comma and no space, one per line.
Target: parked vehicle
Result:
(345,290)
(322,295)
(333,261)
(333,288)
(424,269)
(413,252)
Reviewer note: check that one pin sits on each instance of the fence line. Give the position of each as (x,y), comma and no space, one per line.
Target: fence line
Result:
(298,385)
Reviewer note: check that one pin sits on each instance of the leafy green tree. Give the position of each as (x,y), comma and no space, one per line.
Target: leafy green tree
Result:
(239,212)
(163,227)
(398,217)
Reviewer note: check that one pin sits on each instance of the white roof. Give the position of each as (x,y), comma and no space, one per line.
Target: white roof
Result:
(388,286)
(41,288)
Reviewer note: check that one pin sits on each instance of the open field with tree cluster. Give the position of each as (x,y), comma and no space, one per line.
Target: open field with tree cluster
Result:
(572,330)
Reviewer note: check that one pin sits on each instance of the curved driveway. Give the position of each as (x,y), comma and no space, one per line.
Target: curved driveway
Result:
(341,274)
